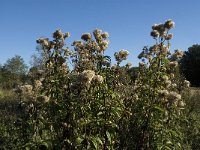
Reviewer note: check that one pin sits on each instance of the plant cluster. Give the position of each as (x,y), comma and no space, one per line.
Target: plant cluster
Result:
(97,105)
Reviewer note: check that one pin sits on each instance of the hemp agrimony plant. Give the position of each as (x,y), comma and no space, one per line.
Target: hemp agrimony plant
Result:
(80,101)
(157,106)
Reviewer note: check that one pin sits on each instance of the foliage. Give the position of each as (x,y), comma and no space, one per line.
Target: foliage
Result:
(9,112)
(190,65)
(13,72)
(192,121)
(97,105)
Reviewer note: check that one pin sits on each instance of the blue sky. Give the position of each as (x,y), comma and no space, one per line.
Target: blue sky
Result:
(127,21)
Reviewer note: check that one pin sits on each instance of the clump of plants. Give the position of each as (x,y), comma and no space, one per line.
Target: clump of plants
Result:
(81,101)
(157,104)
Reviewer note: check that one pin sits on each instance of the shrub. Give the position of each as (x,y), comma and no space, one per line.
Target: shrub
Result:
(190,65)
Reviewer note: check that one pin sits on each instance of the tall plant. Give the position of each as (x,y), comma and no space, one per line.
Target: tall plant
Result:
(157,106)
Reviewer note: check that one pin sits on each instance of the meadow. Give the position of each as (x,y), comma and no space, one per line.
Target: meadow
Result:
(99,105)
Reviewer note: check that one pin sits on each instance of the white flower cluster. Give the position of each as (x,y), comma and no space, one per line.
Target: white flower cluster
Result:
(102,39)
(178,53)
(161,30)
(37,84)
(26,89)
(58,34)
(122,55)
(86,36)
(85,79)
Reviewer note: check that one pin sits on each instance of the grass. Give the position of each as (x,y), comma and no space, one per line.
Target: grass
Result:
(9,112)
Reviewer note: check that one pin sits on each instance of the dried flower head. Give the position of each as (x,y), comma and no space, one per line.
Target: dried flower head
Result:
(37,84)
(97,79)
(123,54)
(86,76)
(173,96)
(164,50)
(181,103)
(163,93)
(155,27)
(169,36)
(58,34)
(97,34)
(173,64)
(104,45)
(77,43)
(66,35)
(26,89)
(178,53)
(169,24)
(174,85)
(154,49)
(155,33)
(105,35)
(86,36)
(186,83)
(43,41)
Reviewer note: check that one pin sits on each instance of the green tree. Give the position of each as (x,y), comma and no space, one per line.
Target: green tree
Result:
(16,65)
(190,65)
(13,72)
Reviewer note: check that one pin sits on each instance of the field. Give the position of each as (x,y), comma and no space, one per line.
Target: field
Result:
(78,100)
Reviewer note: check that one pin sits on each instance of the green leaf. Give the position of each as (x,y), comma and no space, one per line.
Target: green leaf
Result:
(166,148)
(108,136)
(99,140)
(27,148)
(94,142)
(158,108)
(100,113)
(79,140)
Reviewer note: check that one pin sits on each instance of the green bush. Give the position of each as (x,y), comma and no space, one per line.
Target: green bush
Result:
(190,65)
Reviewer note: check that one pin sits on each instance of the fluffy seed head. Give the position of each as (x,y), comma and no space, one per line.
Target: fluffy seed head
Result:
(173,64)
(66,35)
(186,83)
(169,36)
(105,35)
(98,79)
(169,24)
(155,33)
(86,36)
(58,34)
(173,96)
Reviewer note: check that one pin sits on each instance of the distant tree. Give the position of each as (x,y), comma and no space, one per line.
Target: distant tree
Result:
(190,65)
(39,58)
(13,72)
(16,65)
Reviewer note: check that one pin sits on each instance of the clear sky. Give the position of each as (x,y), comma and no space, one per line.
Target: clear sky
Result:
(127,21)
